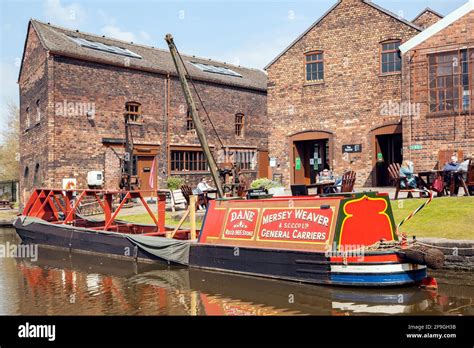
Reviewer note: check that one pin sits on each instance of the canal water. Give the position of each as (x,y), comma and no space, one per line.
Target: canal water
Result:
(62,283)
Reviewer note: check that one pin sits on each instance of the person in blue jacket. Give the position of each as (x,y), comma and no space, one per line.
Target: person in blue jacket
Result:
(406,171)
(448,170)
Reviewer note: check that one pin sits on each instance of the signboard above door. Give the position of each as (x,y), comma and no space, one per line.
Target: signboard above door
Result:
(351,148)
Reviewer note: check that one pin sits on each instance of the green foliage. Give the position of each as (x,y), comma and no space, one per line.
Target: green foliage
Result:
(174,182)
(264,183)
(10,145)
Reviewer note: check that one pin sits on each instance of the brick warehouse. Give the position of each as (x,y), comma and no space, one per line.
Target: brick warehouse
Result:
(331,95)
(438,76)
(75,89)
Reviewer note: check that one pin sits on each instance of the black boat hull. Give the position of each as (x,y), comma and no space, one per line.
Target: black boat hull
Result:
(294,265)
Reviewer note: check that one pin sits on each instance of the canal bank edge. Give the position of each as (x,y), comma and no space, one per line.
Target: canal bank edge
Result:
(459,254)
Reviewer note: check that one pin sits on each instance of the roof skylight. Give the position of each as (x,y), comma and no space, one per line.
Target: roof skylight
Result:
(215,69)
(103,47)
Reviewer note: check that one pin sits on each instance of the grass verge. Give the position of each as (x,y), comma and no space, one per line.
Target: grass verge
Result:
(444,217)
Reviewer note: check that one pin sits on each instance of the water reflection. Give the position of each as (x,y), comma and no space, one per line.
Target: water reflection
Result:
(73,284)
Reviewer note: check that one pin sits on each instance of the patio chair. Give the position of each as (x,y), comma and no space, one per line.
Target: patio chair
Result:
(394,173)
(347,183)
(177,199)
(470,177)
(187,192)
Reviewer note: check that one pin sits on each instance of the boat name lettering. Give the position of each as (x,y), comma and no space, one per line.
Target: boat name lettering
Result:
(295,234)
(300,214)
(248,215)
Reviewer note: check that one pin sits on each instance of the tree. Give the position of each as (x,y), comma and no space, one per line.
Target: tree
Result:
(10,145)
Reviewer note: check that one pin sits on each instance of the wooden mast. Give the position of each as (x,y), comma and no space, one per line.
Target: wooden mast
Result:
(192,108)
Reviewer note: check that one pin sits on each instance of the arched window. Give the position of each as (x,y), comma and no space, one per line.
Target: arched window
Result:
(38,111)
(36,180)
(27,118)
(239,125)
(26,173)
(391,61)
(133,112)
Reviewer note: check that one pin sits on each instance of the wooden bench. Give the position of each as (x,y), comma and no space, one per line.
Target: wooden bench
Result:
(6,204)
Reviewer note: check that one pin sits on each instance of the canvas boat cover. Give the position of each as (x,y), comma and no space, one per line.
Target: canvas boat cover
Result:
(171,250)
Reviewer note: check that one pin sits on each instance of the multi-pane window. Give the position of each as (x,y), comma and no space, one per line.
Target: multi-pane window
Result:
(314,66)
(133,112)
(239,125)
(245,159)
(391,58)
(451,81)
(188,161)
(189,122)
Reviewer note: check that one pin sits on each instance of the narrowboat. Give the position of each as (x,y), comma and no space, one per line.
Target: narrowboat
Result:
(338,239)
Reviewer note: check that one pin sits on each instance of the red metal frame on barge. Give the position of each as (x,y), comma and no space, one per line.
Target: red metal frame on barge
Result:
(340,239)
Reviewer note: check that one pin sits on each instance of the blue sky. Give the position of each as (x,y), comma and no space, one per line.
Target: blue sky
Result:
(249,33)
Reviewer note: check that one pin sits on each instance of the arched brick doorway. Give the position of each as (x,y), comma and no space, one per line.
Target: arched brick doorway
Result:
(387,146)
(310,153)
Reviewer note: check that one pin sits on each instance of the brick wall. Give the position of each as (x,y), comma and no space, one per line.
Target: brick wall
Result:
(426,19)
(442,131)
(74,144)
(347,104)
(35,133)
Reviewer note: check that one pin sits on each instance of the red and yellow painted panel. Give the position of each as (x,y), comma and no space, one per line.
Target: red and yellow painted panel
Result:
(282,223)
(316,224)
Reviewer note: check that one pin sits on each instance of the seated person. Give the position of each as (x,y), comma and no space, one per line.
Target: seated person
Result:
(406,171)
(203,186)
(325,175)
(449,168)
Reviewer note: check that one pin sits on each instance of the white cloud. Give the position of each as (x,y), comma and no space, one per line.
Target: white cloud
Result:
(258,53)
(144,36)
(63,14)
(117,33)
(111,29)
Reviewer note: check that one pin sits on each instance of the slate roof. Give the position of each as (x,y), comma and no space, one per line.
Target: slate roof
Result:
(57,41)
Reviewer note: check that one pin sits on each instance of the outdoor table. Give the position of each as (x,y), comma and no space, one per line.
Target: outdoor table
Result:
(206,196)
(452,179)
(320,186)
(428,175)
